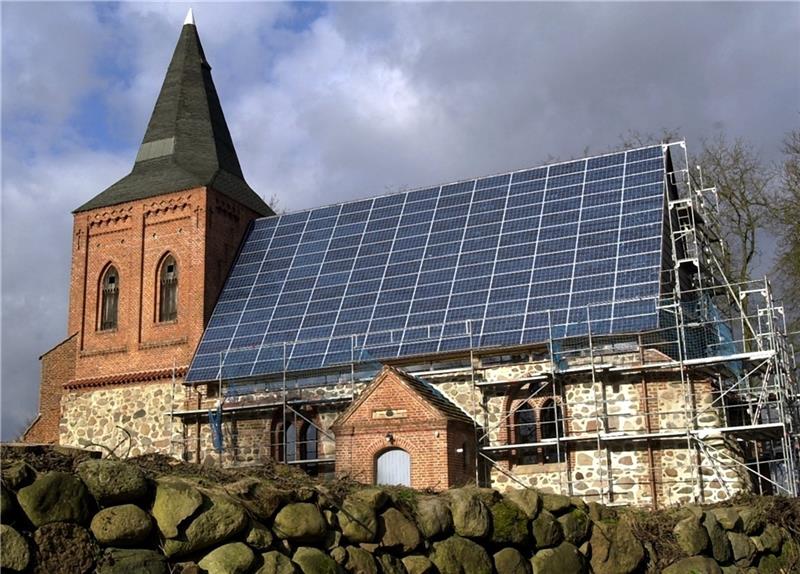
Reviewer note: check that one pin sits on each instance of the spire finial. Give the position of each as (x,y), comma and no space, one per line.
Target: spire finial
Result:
(189,18)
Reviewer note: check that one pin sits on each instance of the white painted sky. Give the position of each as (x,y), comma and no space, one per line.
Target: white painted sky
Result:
(328,102)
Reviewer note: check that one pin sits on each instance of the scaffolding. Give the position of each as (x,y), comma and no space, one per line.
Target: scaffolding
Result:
(707,399)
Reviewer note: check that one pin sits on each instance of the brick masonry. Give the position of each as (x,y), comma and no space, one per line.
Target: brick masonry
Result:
(58,368)
(129,368)
(390,415)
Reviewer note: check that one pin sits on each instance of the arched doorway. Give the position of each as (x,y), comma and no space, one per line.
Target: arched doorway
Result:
(393,467)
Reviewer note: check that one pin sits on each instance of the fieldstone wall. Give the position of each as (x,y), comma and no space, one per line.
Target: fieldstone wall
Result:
(119,417)
(618,471)
(115,517)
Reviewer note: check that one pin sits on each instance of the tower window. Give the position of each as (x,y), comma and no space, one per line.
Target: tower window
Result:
(109,299)
(168,290)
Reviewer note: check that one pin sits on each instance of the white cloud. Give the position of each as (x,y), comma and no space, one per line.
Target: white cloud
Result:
(358,99)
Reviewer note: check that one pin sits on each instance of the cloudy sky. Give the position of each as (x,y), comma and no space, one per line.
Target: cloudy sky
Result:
(328,102)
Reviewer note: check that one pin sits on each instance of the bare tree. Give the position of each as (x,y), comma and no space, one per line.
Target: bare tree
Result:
(787,216)
(743,185)
(276,204)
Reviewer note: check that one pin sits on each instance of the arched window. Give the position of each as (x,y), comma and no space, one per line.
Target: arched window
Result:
(525,427)
(308,442)
(552,427)
(291,443)
(109,299)
(168,290)
(277,442)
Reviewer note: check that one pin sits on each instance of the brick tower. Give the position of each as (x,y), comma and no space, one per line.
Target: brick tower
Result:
(149,258)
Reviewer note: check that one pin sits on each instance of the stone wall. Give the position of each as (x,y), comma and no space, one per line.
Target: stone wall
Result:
(121,416)
(644,472)
(115,517)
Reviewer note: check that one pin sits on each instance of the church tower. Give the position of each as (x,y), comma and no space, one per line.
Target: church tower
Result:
(149,258)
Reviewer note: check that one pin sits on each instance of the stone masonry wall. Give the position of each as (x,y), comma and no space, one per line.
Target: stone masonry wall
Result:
(98,417)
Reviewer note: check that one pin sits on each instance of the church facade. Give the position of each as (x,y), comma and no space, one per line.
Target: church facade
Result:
(204,326)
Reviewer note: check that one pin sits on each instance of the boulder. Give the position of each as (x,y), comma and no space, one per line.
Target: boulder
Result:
(391,564)
(375,497)
(358,520)
(546,530)
(615,550)
(527,499)
(433,517)
(17,474)
(125,561)
(559,560)
(457,555)
(333,538)
(770,564)
(124,525)
(219,523)
(8,506)
(233,558)
(509,524)
(556,503)
(397,531)
(691,536)
(175,502)
(720,546)
(770,540)
(753,521)
(113,482)
(259,536)
(301,521)
(694,565)
(188,567)
(601,513)
(575,525)
(14,552)
(417,564)
(64,548)
(276,563)
(742,548)
(260,498)
(471,517)
(339,555)
(511,561)
(314,561)
(359,560)
(55,497)
(728,518)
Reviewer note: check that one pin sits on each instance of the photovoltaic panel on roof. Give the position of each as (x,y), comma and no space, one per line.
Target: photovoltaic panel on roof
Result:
(499,261)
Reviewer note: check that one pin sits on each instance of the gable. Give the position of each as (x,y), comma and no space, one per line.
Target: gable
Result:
(389,398)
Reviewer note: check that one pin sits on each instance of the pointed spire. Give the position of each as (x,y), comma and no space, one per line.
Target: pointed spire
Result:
(187,143)
(189,18)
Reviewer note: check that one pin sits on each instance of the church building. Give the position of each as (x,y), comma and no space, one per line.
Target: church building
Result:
(564,327)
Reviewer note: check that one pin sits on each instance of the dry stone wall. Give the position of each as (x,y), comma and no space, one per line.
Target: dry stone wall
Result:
(110,516)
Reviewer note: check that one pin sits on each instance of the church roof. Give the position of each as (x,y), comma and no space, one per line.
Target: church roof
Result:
(187,143)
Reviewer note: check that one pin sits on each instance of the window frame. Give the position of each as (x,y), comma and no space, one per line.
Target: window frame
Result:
(108,300)
(167,286)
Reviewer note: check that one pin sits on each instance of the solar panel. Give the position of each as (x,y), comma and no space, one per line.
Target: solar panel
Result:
(504,260)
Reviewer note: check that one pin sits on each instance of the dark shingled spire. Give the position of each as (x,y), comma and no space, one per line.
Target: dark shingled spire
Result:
(187,143)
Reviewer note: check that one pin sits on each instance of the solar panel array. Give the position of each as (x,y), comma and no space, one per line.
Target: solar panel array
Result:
(499,261)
